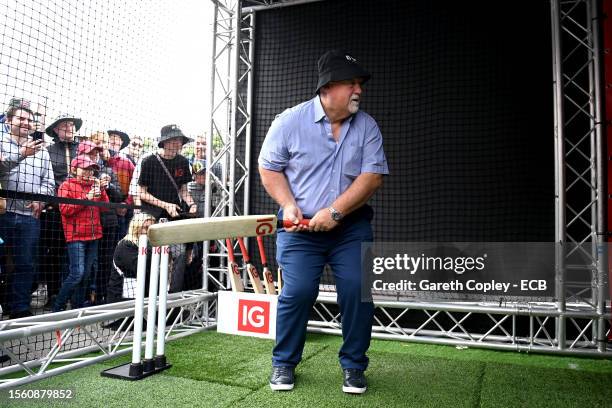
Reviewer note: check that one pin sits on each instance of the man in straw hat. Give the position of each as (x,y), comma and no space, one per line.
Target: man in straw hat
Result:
(63,130)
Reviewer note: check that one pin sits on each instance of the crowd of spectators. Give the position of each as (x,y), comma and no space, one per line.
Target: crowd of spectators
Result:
(81,248)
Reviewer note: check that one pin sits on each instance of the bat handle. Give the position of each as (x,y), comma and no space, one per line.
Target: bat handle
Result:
(262,251)
(230,250)
(288,224)
(245,253)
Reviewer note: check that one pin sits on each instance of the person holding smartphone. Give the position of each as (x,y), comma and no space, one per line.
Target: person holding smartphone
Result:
(25,166)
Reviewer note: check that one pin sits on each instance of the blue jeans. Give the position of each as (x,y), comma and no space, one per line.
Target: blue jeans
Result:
(83,260)
(21,233)
(302,255)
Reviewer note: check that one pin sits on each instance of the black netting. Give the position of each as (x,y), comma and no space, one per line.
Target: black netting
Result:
(463,97)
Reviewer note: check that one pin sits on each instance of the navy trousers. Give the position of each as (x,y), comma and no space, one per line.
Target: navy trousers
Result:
(302,255)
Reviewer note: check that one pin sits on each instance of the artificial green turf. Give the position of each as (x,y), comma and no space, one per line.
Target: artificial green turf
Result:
(212,369)
(496,357)
(92,390)
(393,379)
(244,361)
(540,387)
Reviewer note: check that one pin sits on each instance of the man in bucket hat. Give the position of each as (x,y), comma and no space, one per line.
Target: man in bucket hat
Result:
(157,192)
(62,130)
(323,159)
(163,190)
(124,169)
(117,140)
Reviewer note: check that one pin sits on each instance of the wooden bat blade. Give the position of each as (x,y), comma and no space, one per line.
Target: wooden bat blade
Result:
(235,277)
(269,282)
(255,279)
(206,229)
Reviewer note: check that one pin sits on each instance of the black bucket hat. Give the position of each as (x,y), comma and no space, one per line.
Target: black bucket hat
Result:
(339,65)
(62,118)
(125,139)
(172,132)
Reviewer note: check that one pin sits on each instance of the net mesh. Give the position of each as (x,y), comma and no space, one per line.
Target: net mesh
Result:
(463,100)
(100,66)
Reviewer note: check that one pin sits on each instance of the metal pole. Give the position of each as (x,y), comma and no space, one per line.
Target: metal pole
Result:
(278,5)
(249,110)
(235,57)
(559,134)
(600,154)
(235,72)
(593,170)
(209,145)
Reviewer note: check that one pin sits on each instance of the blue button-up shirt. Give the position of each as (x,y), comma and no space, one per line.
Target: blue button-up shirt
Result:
(319,169)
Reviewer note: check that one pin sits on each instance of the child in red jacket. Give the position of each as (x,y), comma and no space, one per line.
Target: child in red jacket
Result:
(82,229)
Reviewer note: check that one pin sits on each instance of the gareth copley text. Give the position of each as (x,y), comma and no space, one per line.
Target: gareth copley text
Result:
(471,285)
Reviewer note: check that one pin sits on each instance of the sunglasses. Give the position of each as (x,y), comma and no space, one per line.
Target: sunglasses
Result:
(137,145)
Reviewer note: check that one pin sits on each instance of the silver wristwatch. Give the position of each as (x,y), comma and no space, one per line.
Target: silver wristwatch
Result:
(335,214)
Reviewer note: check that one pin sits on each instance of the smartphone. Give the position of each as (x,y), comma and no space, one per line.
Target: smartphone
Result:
(37,135)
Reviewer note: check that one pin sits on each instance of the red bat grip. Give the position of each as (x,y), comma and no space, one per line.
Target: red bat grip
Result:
(230,250)
(245,253)
(262,251)
(288,224)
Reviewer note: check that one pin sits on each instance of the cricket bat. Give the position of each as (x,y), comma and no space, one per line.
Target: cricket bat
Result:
(279,279)
(207,229)
(251,270)
(232,268)
(267,274)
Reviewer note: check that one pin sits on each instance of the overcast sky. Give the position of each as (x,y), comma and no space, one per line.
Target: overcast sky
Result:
(131,65)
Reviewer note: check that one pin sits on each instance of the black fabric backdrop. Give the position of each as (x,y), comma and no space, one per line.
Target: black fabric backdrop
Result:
(462,92)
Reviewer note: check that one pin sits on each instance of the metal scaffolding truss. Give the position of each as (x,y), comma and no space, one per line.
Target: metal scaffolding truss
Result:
(78,338)
(230,119)
(523,327)
(580,174)
(575,121)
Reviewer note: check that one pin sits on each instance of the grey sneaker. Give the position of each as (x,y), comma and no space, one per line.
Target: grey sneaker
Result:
(282,378)
(354,381)
(39,296)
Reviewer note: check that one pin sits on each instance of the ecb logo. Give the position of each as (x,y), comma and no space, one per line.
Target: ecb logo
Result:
(253,316)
